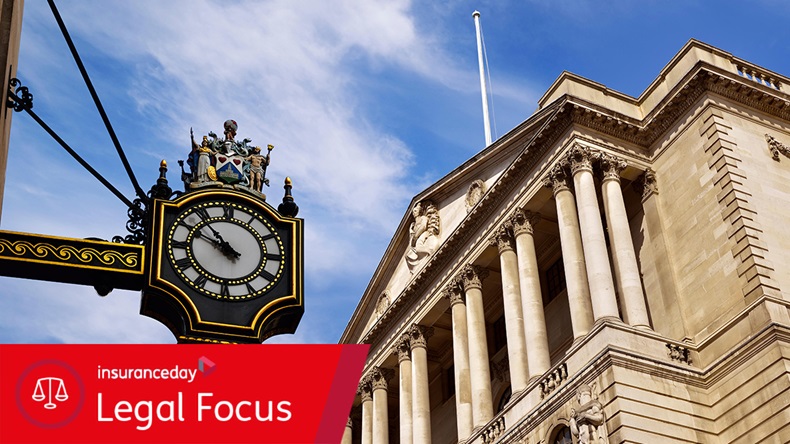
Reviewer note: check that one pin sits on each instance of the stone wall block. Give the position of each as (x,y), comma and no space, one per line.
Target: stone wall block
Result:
(734,212)
(721,162)
(728,175)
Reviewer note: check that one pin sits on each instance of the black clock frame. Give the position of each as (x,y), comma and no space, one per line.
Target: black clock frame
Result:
(196,317)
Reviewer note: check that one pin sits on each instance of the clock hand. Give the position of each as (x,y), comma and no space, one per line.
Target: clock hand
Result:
(220,243)
(213,241)
(229,251)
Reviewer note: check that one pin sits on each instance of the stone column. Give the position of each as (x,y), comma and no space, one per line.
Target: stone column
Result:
(511,298)
(596,257)
(482,403)
(572,253)
(347,433)
(629,282)
(531,297)
(379,377)
(463,389)
(664,278)
(403,350)
(421,405)
(366,395)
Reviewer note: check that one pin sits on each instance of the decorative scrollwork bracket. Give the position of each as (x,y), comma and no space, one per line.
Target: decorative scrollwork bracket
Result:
(19,97)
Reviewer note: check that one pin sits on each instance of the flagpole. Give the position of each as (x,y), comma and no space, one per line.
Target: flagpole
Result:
(486,121)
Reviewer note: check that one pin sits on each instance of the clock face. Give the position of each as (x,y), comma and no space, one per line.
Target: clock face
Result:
(225,250)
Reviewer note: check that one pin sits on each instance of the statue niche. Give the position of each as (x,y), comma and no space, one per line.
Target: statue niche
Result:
(423,234)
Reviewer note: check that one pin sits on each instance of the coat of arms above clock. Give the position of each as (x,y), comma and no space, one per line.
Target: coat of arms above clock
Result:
(226,162)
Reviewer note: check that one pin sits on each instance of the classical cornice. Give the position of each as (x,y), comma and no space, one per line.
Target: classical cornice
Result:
(565,112)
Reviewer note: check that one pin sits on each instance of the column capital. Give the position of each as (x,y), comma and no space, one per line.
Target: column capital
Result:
(454,292)
(403,348)
(365,389)
(557,178)
(611,166)
(472,276)
(646,184)
(418,336)
(501,369)
(503,239)
(524,221)
(379,377)
(580,158)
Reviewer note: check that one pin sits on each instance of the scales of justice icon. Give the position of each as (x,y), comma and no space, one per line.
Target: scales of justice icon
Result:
(39,394)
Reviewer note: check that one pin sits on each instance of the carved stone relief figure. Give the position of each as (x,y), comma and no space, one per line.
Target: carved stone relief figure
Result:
(587,422)
(474,194)
(776,147)
(382,303)
(423,234)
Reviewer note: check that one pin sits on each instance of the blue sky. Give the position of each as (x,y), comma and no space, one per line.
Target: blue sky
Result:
(367,103)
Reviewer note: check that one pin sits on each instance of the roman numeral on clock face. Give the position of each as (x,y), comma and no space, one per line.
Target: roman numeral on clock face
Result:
(227,212)
(183,263)
(202,213)
(201,281)
(179,244)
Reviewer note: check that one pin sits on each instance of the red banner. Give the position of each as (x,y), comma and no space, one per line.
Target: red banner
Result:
(177,393)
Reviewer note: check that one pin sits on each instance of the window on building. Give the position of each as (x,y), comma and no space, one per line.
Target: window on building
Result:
(555,281)
(563,436)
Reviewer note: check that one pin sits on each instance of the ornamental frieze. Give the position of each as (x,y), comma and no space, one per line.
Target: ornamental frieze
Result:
(75,261)
(69,254)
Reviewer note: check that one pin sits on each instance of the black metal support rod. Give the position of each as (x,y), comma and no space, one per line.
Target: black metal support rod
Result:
(99,107)
(79,159)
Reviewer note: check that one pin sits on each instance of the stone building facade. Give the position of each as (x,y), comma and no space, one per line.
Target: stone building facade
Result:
(614,269)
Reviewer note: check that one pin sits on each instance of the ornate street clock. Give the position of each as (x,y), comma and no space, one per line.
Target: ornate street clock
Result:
(215,263)
(223,265)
